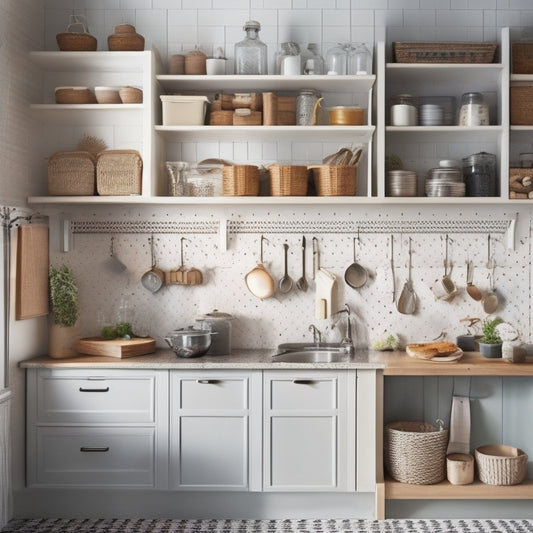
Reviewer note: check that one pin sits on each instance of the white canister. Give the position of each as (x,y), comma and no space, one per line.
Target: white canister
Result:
(291,65)
(403,115)
(215,66)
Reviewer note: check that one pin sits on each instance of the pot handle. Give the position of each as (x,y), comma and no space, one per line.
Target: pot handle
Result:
(167,339)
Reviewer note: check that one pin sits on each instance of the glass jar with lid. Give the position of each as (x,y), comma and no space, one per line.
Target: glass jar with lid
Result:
(312,62)
(337,59)
(288,60)
(359,60)
(251,52)
(474,111)
(479,171)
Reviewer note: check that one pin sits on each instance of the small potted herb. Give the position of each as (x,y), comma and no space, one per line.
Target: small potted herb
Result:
(490,344)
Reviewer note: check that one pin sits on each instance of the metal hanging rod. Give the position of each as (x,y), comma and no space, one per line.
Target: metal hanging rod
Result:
(77,226)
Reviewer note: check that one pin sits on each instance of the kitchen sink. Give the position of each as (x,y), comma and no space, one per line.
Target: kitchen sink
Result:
(310,346)
(311,356)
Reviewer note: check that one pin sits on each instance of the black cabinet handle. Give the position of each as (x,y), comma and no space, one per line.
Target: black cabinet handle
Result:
(208,381)
(303,381)
(94,449)
(83,389)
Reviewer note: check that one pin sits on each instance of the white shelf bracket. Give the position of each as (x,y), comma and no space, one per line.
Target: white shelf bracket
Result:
(511,233)
(65,234)
(223,233)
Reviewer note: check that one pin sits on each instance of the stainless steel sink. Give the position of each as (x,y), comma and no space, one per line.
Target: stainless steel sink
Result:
(310,346)
(311,356)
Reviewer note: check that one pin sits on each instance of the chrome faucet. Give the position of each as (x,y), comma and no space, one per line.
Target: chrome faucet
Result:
(347,341)
(317,336)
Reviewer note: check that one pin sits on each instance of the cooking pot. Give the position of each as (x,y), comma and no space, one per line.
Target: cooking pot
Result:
(189,342)
(220,323)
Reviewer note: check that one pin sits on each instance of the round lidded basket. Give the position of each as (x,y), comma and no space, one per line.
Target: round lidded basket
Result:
(415,452)
(501,464)
(125,39)
(288,180)
(335,180)
(240,180)
(195,62)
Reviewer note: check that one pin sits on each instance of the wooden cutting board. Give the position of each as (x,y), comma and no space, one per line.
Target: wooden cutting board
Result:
(120,348)
(31,287)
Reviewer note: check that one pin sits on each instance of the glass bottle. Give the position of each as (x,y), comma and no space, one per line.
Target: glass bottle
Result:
(251,52)
(312,62)
(359,60)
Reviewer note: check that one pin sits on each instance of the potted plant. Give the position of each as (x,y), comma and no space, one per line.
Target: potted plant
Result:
(490,344)
(64,304)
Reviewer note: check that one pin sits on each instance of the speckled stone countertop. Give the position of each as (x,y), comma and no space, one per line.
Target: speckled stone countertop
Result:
(164,359)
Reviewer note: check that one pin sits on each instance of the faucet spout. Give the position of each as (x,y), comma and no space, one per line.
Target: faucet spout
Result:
(347,341)
(317,335)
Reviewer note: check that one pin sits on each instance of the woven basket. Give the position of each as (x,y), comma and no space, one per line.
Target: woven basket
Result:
(288,180)
(415,452)
(253,101)
(522,58)
(221,118)
(71,174)
(500,464)
(335,180)
(76,38)
(126,42)
(131,95)
(444,52)
(240,180)
(521,102)
(74,95)
(118,173)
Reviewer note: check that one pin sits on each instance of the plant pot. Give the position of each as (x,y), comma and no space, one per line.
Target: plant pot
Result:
(61,341)
(490,350)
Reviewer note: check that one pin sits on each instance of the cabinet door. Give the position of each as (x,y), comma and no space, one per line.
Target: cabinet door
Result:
(215,430)
(309,431)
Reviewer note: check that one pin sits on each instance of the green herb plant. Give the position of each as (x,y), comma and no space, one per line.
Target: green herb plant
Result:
(121,330)
(63,296)
(488,328)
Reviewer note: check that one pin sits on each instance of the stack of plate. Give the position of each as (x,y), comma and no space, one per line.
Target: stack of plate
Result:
(401,183)
(437,110)
(431,115)
(444,182)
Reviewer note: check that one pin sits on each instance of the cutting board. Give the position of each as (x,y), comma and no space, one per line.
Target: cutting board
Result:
(31,287)
(120,348)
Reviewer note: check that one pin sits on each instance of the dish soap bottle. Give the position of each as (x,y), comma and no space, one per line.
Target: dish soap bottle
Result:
(251,52)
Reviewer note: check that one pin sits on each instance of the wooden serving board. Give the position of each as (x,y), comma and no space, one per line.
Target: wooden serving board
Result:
(120,348)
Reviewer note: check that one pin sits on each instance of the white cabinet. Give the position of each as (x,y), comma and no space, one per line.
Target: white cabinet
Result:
(215,430)
(309,430)
(97,428)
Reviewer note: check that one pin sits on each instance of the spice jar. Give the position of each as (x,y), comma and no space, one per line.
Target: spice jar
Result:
(251,52)
(403,110)
(288,60)
(479,172)
(474,111)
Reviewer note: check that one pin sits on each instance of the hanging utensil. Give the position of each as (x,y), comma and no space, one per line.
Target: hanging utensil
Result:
(113,263)
(302,282)
(153,279)
(490,300)
(190,276)
(392,268)
(285,283)
(355,275)
(316,257)
(408,299)
(259,281)
(471,289)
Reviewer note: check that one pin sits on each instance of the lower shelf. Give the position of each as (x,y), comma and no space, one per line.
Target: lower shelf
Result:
(395,490)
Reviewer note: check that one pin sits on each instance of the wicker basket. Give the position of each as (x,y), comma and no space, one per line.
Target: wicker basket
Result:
(221,118)
(74,95)
(335,180)
(415,452)
(118,173)
(500,464)
(125,39)
(76,38)
(444,52)
(240,180)
(288,180)
(522,58)
(71,174)
(131,95)
(521,103)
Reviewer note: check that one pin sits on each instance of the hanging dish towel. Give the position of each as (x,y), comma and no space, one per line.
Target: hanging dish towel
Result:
(325,281)
(459,426)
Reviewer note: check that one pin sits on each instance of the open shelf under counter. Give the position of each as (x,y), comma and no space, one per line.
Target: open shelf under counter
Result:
(265,83)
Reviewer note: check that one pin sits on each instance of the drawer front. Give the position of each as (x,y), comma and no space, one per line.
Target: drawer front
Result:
(95,457)
(69,399)
(213,393)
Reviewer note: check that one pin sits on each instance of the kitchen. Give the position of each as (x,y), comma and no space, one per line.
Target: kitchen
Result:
(32,26)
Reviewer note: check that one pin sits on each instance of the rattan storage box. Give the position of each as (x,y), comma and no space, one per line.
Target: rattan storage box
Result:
(240,180)
(71,174)
(118,173)
(522,58)
(521,103)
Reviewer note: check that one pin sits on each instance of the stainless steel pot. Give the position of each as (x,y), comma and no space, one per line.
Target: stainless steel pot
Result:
(189,342)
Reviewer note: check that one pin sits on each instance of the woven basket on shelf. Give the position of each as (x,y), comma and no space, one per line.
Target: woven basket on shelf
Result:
(522,58)
(118,173)
(521,103)
(74,95)
(335,180)
(240,180)
(76,38)
(415,452)
(221,118)
(500,464)
(71,174)
(288,180)
(444,52)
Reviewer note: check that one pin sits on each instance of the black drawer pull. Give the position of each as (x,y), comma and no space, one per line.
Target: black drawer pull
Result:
(82,389)
(303,381)
(94,449)
(208,381)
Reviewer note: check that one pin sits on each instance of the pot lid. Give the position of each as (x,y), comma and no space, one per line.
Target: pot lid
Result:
(215,315)
(190,331)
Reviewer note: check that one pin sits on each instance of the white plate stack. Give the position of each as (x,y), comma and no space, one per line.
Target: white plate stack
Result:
(401,183)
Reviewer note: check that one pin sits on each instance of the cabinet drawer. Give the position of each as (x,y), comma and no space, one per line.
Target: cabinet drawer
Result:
(213,393)
(95,456)
(72,399)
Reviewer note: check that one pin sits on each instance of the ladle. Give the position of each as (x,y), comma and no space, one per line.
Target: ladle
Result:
(259,281)
(356,275)
(285,283)
(407,300)
(302,282)
(113,263)
(471,289)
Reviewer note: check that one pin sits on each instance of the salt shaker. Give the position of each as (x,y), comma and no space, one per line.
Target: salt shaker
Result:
(474,111)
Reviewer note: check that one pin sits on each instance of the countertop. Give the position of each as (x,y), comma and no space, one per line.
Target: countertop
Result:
(395,363)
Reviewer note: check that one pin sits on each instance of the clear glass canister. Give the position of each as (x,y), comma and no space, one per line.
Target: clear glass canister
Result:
(251,52)
(312,62)
(175,170)
(473,111)
(337,59)
(288,60)
(479,172)
(359,60)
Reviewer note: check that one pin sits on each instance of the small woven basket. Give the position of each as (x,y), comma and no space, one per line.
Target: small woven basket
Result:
(335,180)
(288,180)
(240,180)
(521,100)
(415,452)
(76,38)
(118,173)
(522,58)
(71,174)
(444,52)
(221,118)
(500,464)
(74,95)
(131,95)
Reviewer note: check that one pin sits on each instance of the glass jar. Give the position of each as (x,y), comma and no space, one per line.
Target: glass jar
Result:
(337,59)
(251,52)
(307,103)
(288,60)
(359,60)
(403,111)
(474,111)
(479,172)
(312,62)
(526,160)
(203,179)
(175,170)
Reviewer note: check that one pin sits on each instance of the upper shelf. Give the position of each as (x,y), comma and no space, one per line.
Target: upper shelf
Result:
(90,61)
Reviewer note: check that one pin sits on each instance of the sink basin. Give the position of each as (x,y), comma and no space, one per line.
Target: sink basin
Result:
(310,346)
(311,356)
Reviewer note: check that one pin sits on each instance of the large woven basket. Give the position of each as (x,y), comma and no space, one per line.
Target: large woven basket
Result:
(521,103)
(444,52)
(335,180)
(500,464)
(415,452)
(71,174)
(118,173)
(288,180)
(240,180)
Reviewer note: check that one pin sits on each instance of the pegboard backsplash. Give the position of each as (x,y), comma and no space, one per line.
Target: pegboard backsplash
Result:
(286,317)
